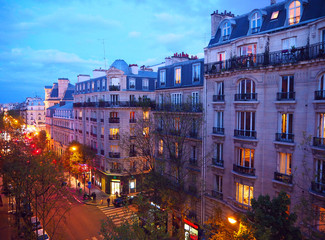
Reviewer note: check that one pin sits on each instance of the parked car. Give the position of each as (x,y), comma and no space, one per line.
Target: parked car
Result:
(36,224)
(42,234)
(119,202)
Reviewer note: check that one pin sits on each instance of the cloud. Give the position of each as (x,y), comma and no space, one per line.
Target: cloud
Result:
(169,38)
(134,34)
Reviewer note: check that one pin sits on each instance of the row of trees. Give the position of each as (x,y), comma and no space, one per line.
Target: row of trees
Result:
(33,178)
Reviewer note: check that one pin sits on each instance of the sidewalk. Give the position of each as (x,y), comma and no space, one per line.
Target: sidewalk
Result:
(101,197)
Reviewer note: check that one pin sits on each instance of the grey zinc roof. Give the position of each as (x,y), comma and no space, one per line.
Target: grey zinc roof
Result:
(67,106)
(312,10)
(122,65)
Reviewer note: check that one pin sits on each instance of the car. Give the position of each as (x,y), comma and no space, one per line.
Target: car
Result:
(119,202)
(36,224)
(42,234)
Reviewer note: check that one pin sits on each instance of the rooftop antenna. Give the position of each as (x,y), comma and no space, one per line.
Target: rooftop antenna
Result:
(103,41)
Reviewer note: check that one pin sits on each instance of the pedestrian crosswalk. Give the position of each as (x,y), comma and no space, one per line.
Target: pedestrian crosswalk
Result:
(118,215)
(100,237)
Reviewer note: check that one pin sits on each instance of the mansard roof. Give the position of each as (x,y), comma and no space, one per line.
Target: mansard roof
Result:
(312,10)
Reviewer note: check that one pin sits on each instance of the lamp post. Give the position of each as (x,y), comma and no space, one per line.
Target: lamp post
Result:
(72,149)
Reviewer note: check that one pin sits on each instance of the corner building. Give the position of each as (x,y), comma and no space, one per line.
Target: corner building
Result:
(107,107)
(265,108)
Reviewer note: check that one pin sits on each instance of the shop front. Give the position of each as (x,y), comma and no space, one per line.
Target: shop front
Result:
(191,230)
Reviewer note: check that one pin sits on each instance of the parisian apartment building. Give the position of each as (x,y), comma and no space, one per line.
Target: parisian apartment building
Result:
(33,113)
(256,104)
(106,108)
(265,108)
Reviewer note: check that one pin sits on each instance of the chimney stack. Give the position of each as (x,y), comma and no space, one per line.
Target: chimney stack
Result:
(273,2)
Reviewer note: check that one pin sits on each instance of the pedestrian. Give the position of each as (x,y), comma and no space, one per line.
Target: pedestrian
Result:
(79,184)
(108,200)
(116,194)
(101,202)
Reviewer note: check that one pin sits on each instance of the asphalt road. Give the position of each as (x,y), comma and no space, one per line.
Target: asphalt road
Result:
(82,222)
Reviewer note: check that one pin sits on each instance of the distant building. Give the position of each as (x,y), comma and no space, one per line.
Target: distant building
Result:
(265,108)
(58,95)
(33,112)
(107,107)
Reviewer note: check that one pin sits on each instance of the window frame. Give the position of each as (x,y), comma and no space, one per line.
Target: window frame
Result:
(178,77)
(292,6)
(240,194)
(196,75)
(285,168)
(162,75)
(226,31)
(130,84)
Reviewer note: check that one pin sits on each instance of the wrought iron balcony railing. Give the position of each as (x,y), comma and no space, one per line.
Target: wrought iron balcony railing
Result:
(217,194)
(285,137)
(318,187)
(193,162)
(114,120)
(245,133)
(320,95)
(246,97)
(244,170)
(319,142)
(114,137)
(218,130)
(285,96)
(218,98)
(217,162)
(308,52)
(281,177)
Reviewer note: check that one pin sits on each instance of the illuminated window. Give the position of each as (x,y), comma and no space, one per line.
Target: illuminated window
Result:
(244,194)
(177,75)
(146,115)
(284,163)
(320,172)
(145,131)
(320,218)
(176,150)
(245,157)
(321,125)
(132,83)
(256,23)
(222,58)
(248,50)
(294,12)
(114,133)
(226,31)
(286,123)
(275,15)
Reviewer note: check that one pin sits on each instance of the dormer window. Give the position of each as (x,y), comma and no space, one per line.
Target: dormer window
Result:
(177,75)
(162,77)
(294,12)
(256,23)
(132,84)
(226,31)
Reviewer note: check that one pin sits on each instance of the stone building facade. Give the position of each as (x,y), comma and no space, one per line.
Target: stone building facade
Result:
(265,103)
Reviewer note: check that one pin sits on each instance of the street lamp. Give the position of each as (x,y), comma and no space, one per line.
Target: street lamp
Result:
(232,220)
(73,149)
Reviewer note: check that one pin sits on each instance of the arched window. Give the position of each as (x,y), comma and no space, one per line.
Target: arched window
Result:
(294,12)
(256,23)
(246,91)
(226,31)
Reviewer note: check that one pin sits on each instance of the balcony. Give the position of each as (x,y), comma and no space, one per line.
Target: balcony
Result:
(285,96)
(318,188)
(218,98)
(246,97)
(284,137)
(93,119)
(217,162)
(218,130)
(114,137)
(132,153)
(217,194)
(114,120)
(265,59)
(114,88)
(93,134)
(102,152)
(192,190)
(193,162)
(281,177)
(114,154)
(245,133)
(116,170)
(185,107)
(319,142)
(133,137)
(78,104)
(244,170)
(320,95)
(132,120)
(193,134)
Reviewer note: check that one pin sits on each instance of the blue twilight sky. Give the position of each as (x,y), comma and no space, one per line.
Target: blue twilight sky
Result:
(43,40)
